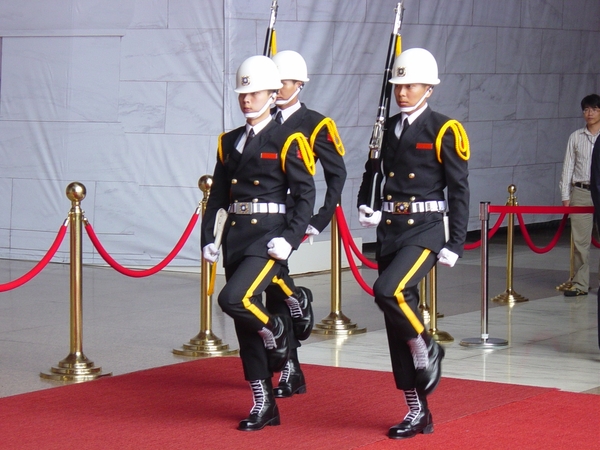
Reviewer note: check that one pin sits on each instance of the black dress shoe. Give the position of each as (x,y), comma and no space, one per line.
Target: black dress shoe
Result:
(302,313)
(291,381)
(278,355)
(418,420)
(265,411)
(422,423)
(426,380)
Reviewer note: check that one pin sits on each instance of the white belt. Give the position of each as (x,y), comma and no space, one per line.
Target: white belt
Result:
(414,207)
(256,208)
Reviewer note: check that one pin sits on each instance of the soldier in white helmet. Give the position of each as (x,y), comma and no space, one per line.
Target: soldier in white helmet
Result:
(327,148)
(257,165)
(423,154)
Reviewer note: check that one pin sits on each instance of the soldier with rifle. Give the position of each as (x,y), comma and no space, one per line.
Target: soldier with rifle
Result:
(260,167)
(327,147)
(423,153)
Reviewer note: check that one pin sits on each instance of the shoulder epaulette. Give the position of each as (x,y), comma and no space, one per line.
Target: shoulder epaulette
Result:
(306,153)
(332,133)
(220,147)
(461,140)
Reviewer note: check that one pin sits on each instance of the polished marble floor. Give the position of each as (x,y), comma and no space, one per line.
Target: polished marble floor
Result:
(131,324)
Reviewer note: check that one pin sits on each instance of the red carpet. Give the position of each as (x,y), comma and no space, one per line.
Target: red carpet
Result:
(197,405)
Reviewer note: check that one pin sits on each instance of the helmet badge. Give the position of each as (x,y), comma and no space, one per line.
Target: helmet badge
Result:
(246,80)
(400,71)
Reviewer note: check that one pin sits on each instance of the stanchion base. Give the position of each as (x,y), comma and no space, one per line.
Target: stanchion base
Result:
(442,337)
(484,343)
(337,324)
(565,286)
(74,368)
(204,345)
(510,297)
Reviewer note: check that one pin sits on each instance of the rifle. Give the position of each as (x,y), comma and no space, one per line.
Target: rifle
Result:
(270,41)
(376,141)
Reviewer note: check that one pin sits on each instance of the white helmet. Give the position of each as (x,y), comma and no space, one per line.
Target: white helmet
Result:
(415,65)
(291,65)
(257,73)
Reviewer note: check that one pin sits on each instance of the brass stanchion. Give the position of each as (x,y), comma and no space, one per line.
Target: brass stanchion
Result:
(76,366)
(484,341)
(336,323)
(510,295)
(205,343)
(437,335)
(569,284)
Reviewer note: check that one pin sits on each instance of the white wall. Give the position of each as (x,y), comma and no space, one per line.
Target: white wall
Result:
(129,96)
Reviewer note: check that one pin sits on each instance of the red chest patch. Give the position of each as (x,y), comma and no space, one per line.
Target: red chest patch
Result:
(268,156)
(424,145)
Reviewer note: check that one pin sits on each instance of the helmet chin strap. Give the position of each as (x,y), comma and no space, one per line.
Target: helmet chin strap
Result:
(270,101)
(410,109)
(283,102)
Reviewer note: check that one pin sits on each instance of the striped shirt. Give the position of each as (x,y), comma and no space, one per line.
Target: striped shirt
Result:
(578,160)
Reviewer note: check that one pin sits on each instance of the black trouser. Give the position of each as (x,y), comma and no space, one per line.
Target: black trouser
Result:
(397,295)
(241,298)
(276,294)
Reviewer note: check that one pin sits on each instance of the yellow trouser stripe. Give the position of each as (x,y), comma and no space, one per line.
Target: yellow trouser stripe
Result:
(408,312)
(250,292)
(284,287)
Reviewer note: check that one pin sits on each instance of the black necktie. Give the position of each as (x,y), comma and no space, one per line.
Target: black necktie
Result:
(279,117)
(405,126)
(249,137)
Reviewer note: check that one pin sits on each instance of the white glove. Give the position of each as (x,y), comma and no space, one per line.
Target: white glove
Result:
(373,219)
(310,232)
(447,258)
(211,253)
(279,248)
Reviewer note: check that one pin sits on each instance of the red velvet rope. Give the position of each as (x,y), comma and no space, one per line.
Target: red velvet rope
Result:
(345,232)
(552,243)
(40,265)
(495,228)
(345,235)
(152,270)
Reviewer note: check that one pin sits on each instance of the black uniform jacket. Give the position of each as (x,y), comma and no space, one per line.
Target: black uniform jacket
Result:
(306,120)
(257,175)
(413,173)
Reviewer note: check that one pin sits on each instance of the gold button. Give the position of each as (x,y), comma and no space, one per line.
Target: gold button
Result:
(388,197)
(254,200)
(256,182)
(412,199)
(411,175)
(388,222)
(233,223)
(253,221)
(233,181)
(391,174)
(410,221)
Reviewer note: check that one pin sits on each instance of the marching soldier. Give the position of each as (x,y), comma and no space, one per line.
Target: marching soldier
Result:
(327,147)
(423,153)
(257,165)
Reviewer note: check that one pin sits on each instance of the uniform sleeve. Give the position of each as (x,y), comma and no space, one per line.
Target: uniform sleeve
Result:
(372,168)
(456,172)
(302,194)
(334,170)
(218,198)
